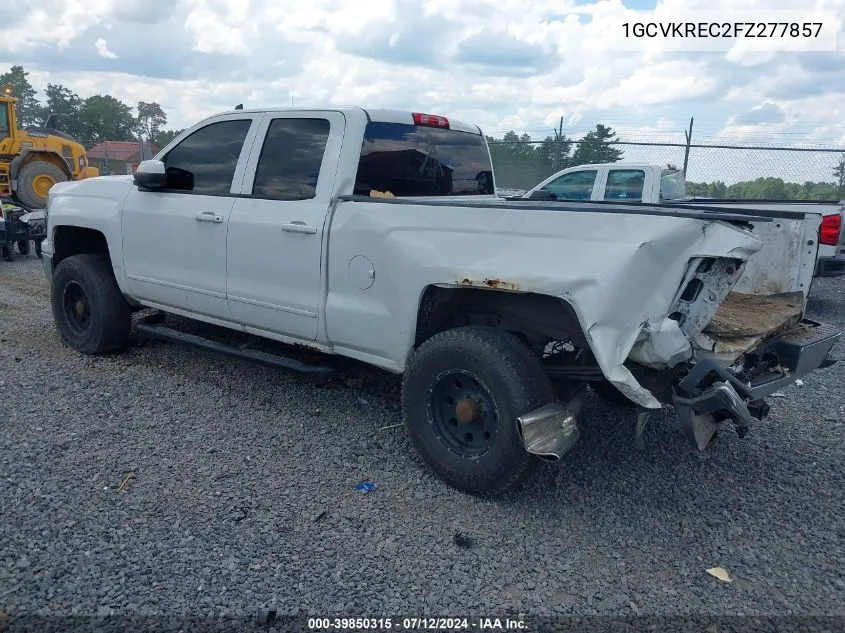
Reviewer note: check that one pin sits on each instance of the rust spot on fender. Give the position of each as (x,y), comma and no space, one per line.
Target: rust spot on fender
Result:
(490,283)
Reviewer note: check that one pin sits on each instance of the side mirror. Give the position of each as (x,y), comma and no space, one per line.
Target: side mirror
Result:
(151,174)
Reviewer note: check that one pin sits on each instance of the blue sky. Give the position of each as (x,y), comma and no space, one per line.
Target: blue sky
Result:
(503,64)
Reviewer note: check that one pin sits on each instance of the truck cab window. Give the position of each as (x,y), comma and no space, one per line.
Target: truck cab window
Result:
(577,185)
(412,160)
(624,184)
(290,160)
(205,162)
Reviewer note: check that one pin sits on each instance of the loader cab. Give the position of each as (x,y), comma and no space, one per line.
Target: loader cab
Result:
(6,118)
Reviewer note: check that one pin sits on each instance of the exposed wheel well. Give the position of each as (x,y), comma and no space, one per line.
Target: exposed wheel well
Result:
(74,240)
(535,318)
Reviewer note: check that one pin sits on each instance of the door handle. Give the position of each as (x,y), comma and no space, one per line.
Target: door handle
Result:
(298,226)
(208,216)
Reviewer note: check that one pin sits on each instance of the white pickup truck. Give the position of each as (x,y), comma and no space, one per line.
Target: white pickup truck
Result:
(650,183)
(376,235)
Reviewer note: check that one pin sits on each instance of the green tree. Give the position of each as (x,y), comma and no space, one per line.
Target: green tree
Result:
(28,110)
(597,146)
(163,137)
(839,175)
(554,152)
(764,188)
(102,117)
(66,105)
(151,119)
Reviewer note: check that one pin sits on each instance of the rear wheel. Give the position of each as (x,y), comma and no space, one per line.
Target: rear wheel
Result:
(23,247)
(89,310)
(8,252)
(35,179)
(461,394)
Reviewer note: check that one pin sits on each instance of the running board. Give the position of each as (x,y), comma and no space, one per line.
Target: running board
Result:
(162,333)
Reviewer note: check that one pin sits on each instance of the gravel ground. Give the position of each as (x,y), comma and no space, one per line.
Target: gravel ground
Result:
(243,496)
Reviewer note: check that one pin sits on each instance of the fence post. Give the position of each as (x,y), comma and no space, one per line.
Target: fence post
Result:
(686,151)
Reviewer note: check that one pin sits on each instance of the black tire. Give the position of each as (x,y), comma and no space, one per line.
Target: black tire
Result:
(511,381)
(38,249)
(23,247)
(8,252)
(607,392)
(26,191)
(89,310)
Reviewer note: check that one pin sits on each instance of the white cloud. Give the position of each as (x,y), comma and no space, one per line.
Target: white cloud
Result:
(216,31)
(102,47)
(500,63)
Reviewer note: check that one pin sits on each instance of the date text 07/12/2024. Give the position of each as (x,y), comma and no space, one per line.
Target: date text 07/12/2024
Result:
(416,624)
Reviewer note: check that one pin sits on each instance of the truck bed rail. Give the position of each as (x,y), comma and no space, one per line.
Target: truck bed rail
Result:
(695,212)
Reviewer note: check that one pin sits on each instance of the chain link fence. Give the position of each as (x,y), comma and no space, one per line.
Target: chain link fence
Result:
(735,171)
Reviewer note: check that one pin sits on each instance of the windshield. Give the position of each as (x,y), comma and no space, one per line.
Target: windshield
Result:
(415,160)
(672,185)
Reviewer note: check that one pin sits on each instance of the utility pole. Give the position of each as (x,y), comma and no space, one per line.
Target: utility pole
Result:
(557,151)
(686,151)
(141,145)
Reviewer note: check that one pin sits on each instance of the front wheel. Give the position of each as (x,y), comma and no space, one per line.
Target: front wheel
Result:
(8,252)
(88,308)
(23,247)
(462,393)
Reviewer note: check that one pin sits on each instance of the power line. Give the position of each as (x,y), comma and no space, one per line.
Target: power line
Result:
(692,145)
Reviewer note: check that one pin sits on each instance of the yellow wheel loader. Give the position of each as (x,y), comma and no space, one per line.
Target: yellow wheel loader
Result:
(32,160)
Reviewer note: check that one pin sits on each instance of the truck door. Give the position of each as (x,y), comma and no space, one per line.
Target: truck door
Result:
(174,240)
(276,231)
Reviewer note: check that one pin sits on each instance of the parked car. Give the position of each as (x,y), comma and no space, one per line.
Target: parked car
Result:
(651,184)
(375,235)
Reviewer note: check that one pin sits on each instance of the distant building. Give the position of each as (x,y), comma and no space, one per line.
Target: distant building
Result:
(119,157)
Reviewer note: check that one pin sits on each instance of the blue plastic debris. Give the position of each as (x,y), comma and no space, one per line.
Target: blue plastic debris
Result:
(366,486)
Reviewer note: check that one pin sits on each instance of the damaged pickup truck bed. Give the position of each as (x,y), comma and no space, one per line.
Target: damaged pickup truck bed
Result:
(375,235)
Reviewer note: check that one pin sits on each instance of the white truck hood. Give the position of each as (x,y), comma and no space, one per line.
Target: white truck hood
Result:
(100,187)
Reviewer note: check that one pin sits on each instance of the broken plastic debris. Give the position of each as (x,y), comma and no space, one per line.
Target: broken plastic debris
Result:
(799,382)
(778,394)
(721,573)
(366,486)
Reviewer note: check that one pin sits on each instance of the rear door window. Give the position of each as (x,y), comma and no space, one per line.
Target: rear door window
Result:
(624,184)
(289,166)
(412,160)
